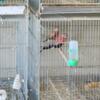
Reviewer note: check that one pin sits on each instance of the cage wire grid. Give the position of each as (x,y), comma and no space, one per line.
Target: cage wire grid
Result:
(57,80)
(19,50)
(19,45)
(12,61)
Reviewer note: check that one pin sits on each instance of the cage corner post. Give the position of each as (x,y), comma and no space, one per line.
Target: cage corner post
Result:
(34,57)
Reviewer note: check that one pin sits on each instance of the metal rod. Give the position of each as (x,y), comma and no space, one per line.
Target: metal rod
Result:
(62,55)
(57,93)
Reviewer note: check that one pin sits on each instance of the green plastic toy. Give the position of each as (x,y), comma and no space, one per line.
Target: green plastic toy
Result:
(72,63)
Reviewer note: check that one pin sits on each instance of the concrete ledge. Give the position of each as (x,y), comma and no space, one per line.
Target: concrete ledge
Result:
(12,10)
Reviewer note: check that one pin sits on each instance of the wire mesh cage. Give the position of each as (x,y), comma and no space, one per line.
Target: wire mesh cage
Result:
(70,2)
(13,2)
(58,81)
(13,58)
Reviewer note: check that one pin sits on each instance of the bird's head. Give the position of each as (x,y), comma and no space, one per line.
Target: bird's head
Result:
(56,31)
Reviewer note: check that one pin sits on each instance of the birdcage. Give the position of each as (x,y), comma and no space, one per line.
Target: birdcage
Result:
(18,60)
(70,2)
(14,56)
(58,80)
(13,2)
